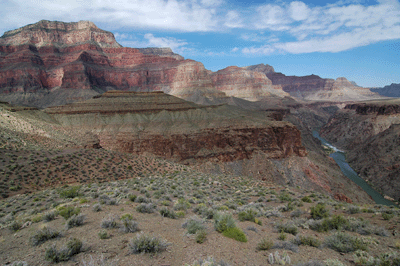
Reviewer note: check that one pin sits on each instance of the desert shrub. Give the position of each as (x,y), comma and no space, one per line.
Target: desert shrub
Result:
(273,213)
(180,214)
(193,224)
(68,211)
(285,245)
(336,222)
(43,235)
(282,236)
(201,236)
(144,243)
(75,221)
(265,244)
(319,211)
(111,221)
(296,213)
(142,199)
(353,209)
(73,247)
(306,199)
(307,241)
(70,192)
(387,216)
(248,215)
(15,226)
(103,234)
(165,212)
(129,226)
(223,221)
(132,197)
(235,233)
(146,208)
(284,196)
(49,216)
(127,216)
(37,218)
(96,207)
(343,242)
(181,205)
(204,212)
(288,227)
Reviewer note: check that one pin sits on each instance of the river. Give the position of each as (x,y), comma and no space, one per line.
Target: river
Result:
(340,159)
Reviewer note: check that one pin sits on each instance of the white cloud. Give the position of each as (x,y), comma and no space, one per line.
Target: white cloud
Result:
(263,50)
(330,28)
(233,20)
(235,49)
(174,44)
(298,10)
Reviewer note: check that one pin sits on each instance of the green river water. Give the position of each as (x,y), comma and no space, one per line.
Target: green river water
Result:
(340,159)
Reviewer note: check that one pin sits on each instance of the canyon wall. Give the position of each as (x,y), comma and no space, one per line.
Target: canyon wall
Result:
(369,133)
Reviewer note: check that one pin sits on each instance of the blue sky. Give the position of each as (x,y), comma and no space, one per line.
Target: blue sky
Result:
(356,39)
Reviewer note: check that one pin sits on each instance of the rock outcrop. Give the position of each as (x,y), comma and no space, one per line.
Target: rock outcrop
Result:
(316,88)
(170,127)
(53,63)
(246,83)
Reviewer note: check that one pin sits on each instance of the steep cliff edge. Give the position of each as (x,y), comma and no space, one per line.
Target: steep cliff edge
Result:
(170,127)
(369,133)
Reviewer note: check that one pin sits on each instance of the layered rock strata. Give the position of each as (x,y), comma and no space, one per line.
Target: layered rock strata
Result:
(315,88)
(172,128)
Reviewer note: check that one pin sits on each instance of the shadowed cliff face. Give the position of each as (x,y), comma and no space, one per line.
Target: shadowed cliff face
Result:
(369,133)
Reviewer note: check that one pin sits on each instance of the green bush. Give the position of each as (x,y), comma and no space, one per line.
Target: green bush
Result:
(319,211)
(70,192)
(165,212)
(132,197)
(43,235)
(201,236)
(343,242)
(181,205)
(387,216)
(288,227)
(144,243)
(306,199)
(265,244)
(235,233)
(68,211)
(307,241)
(73,247)
(223,221)
(248,215)
(103,234)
